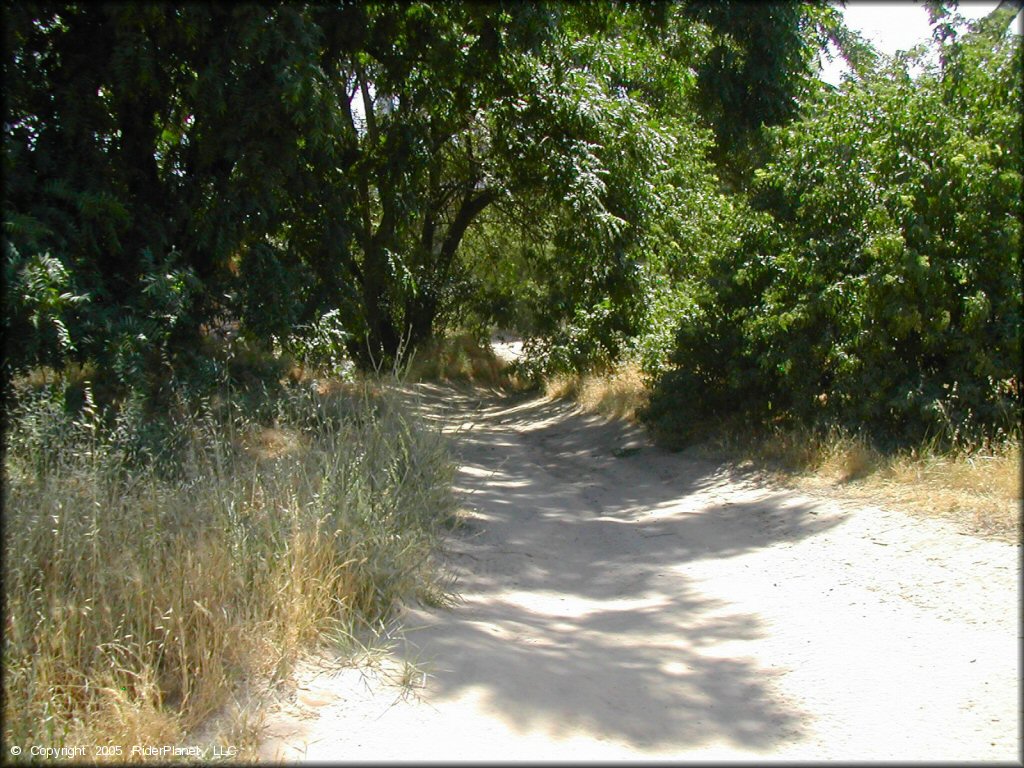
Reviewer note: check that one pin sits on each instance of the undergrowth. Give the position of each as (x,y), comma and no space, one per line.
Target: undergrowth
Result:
(616,394)
(154,562)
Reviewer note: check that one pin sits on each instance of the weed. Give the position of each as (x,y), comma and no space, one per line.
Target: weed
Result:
(152,567)
(617,394)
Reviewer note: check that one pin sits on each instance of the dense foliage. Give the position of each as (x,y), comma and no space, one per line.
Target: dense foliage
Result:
(875,280)
(174,167)
(674,97)
(671,181)
(150,152)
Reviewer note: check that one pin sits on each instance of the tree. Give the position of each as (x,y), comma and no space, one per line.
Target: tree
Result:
(588,290)
(273,163)
(449,111)
(875,284)
(152,150)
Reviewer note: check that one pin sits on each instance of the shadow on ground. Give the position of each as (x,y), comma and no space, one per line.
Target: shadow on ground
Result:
(578,611)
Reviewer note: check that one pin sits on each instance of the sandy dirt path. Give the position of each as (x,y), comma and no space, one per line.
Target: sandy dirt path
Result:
(623,603)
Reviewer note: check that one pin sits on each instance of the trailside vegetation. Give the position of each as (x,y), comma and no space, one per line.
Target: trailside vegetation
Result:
(219,217)
(874,279)
(177,168)
(155,565)
(667,182)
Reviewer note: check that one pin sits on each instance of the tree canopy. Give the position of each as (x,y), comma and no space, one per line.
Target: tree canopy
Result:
(668,180)
(268,163)
(875,279)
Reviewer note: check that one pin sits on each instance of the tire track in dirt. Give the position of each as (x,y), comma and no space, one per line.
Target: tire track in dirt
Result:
(621,602)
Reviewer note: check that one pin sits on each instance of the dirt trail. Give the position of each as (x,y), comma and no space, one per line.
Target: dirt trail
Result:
(621,602)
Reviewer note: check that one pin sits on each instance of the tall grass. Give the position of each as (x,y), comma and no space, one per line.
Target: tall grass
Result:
(616,394)
(458,358)
(153,564)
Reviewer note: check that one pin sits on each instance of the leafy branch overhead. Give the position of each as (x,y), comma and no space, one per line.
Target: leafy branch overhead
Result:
(336,153)
(608,178)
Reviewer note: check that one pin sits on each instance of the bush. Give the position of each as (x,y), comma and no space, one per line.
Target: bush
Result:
(877,286)
(321,346)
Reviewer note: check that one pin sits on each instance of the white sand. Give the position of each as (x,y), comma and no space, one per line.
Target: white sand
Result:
(624,603)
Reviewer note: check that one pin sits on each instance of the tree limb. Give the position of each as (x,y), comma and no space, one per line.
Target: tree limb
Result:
(471,207)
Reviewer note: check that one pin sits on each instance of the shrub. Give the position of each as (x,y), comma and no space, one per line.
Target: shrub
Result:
(876,284)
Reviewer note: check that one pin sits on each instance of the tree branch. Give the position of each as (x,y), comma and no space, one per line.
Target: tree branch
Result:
(469,210)
(362,185)
(371,117)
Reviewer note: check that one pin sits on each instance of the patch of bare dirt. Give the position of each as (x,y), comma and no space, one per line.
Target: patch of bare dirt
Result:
(622,602)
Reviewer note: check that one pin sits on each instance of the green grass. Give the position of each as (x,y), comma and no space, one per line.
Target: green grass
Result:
(152,568)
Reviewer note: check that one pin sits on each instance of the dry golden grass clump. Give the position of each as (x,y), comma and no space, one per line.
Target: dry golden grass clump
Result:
(143,590)
(616,394)
(980,491)
(459,358)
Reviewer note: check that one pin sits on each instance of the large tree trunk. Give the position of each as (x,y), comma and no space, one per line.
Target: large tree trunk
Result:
(422,309)
(421,313)
(382,340)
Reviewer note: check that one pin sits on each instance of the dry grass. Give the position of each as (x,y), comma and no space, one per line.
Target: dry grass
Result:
(614,395)
(459,358)
(143,594)
(980,492)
